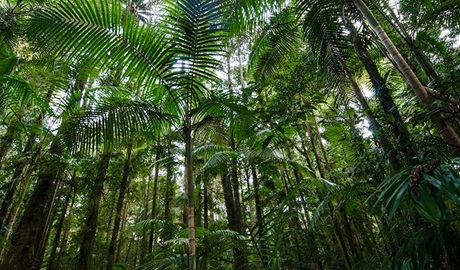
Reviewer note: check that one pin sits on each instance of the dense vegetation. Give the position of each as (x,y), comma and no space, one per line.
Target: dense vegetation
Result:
(229,134)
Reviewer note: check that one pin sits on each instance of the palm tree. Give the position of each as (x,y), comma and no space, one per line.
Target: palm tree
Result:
(448,133)
(181,61)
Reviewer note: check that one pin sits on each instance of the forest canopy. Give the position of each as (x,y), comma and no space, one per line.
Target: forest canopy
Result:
(229,134)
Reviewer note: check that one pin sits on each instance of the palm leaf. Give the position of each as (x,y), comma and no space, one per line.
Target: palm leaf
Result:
(111,121)
(101,34)
(197,33)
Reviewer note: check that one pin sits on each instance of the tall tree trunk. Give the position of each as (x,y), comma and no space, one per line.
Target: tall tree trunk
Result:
(383,94)
(155,193)
(190,186)
(123,226)
(376,128)
(449,135)
(65,237)
(111,209)
(23,251)
(121,197)
(90,226)
(320,142)
(6,141)
(205,206)
(144,247)
(169,188)
(422,59)
(45,228)
(57,234)
(255,183)
(233,223)
(18,171)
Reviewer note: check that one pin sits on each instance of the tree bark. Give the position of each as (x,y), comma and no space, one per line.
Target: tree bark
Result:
(8,199)
(5,144)
(57,234)
(383,94)
(123,226)
(155,193)
(376,128)
(121,198)
(255,183)
(57,264)
(90,226)
(24,241)
(189,184)
(45,228)
(205,206)
(449,135)
(144,247)
(169,188)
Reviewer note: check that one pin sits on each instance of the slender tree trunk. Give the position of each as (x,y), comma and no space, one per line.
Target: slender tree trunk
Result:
(169,188)
(236,191)
(422,59)
(155,193)
(313,148)
(121,197)
(8,199)
(205,207)
(376,128)
(383,93)
(449,135)
(350,237)
(111,209)
(144,241)
(123,226)
(189,183)
(5,144)
(65,237)
(23,252)
(90,226)
(255,183)
(320,142)
(45,228)
(57,235)
(198,202)
(252,214)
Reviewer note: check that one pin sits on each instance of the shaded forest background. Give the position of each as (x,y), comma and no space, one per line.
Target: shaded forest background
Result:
(193,134)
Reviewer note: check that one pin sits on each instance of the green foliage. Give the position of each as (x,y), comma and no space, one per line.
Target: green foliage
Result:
(433,192)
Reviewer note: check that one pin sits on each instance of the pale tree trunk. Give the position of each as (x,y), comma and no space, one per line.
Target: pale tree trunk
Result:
(422,59)
(121,197)
(190,186)
(449,135)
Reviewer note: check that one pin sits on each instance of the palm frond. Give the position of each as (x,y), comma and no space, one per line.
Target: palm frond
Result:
(279,39)
(101,34)
(197,32)
(219,159)
(111,121)
(15,93)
